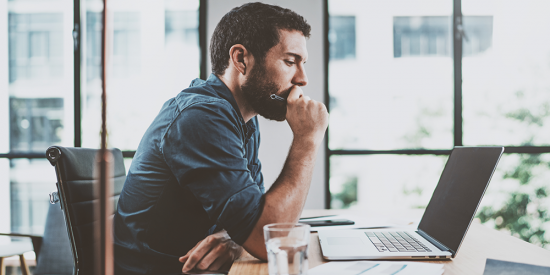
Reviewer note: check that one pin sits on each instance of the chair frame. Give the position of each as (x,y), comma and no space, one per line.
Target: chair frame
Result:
(36,243)
(53,154)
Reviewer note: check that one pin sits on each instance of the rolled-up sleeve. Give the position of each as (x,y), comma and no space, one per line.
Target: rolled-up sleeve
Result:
(205,150)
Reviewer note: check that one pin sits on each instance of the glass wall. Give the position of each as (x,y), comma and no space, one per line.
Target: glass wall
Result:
(39,101)
(391,89)
(390,75)
(153,54)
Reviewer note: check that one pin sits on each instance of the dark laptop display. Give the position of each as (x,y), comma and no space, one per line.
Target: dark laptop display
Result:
(458,193)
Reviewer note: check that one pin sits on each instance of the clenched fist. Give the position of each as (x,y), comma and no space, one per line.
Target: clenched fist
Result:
(307,118)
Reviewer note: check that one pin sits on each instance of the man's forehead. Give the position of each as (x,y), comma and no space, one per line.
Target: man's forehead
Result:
(292,43)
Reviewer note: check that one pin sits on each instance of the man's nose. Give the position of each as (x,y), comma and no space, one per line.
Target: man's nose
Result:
(300,78)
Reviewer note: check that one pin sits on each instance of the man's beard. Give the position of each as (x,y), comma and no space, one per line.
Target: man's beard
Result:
(257,91)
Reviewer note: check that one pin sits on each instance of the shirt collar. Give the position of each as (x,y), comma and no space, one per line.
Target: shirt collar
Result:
(224,92)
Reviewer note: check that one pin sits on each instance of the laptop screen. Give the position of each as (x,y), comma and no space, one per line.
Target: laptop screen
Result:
(458,193)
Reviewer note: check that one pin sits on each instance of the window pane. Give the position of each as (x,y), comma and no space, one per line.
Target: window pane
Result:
(517,199)
(379,181)
(390,74)
(29,194)
(40,75)
(505,70)
(154,55)
(36,103)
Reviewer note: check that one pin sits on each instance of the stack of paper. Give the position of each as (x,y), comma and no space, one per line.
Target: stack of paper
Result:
(376,268)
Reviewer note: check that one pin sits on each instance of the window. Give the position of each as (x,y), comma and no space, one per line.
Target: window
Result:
(154,55)
(431,35)
(421,35)
(342,37)
(35,45)
(38,107)
(396,110)
(35,123)
(126,44)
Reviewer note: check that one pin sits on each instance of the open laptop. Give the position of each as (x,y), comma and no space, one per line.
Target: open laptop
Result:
(443,225)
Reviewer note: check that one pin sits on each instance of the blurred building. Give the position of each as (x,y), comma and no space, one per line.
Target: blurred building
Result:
(154,54)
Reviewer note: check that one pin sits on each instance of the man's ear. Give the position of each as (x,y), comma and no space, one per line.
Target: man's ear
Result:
(240,58)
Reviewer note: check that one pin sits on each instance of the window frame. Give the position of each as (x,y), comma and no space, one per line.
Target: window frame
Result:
(77,75)
(202,31)
(457,112)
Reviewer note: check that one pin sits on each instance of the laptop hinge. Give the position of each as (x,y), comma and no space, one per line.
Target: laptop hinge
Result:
(435,242)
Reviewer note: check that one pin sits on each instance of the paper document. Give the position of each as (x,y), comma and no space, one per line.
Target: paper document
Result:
(376,268)
(360,222)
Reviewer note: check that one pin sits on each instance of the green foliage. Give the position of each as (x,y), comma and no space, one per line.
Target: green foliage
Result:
(524,214)
(523,172)
(348,195)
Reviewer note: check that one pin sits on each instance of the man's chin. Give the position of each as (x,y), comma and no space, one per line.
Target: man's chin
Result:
(274,117)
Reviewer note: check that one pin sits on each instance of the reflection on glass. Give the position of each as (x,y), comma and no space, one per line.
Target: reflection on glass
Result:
(38,96)
(35,45)
(40,82)
(36,123)
(506,88)
(154,54)
(517,200)
(29,194)
(342,37)
(126,44)
(384,181)
(422,36)
(393,88)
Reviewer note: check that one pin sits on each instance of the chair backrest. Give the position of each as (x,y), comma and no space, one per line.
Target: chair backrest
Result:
(74,168)
(55,252)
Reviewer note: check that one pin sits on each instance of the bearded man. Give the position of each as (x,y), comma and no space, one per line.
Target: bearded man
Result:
(194,196)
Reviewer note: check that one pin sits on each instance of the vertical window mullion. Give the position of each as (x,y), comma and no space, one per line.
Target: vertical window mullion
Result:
(328,152)
(457,63)
(77,39)
(203,45)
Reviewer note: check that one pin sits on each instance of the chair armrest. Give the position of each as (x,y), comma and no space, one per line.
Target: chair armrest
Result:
(35,239)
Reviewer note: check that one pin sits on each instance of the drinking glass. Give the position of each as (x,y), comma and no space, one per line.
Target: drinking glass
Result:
(286,245)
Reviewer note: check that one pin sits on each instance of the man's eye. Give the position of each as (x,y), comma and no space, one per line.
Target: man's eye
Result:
(289,62)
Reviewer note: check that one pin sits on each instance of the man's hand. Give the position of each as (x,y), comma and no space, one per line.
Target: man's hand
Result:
(307,118)
(211,253)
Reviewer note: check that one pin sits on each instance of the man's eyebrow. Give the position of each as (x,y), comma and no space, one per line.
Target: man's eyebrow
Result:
(297,56)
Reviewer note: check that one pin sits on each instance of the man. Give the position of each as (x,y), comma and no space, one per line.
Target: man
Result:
(194,193)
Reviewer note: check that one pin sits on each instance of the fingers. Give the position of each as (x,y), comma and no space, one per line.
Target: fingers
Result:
(195,256)
(295,93)
(218,263)
(184,258)
(211,253)
(217,255)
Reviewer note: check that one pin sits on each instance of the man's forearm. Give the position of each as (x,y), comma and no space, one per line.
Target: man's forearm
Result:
(285,199)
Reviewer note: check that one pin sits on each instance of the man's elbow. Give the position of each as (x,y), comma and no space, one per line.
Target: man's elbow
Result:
(255,246)
(260,255)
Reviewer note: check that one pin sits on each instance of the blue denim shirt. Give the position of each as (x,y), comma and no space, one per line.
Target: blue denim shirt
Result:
(196,171)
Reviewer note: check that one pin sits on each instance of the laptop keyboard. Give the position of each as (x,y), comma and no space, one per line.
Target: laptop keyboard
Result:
(396,242)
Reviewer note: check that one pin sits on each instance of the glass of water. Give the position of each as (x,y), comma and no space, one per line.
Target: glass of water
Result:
(286,245)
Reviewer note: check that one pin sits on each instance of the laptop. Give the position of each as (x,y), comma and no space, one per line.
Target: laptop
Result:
(443,225)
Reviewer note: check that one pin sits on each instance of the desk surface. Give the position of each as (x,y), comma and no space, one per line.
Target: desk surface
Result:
(481,243)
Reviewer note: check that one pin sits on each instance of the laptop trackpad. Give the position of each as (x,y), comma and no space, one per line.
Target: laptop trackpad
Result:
(344,240)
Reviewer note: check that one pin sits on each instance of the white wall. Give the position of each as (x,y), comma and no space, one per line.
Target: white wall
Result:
(276,137)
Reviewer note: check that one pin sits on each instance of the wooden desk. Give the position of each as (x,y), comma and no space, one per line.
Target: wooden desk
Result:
(481,243)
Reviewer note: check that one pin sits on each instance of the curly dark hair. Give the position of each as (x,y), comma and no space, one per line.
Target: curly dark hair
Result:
(255,26)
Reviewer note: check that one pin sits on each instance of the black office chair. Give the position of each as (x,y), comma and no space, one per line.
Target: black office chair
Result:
(74,168)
